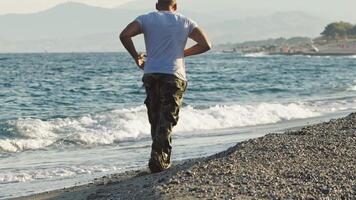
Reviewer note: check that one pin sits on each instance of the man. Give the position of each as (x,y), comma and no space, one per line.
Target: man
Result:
(166,33)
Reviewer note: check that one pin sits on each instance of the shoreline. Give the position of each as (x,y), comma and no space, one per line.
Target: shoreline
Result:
(313,54)
(313,162)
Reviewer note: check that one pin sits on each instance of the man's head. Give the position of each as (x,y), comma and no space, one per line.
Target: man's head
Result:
(166,5)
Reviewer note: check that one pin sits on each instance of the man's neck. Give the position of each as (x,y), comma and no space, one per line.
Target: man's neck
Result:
(166,10)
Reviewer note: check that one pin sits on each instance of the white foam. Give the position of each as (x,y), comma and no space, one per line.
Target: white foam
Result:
(51,173)
(221,117)
(99,129)
(353,87)
(255,55)
(15,145)
(132,124)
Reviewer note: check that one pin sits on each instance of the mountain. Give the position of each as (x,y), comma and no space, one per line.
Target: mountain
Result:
(233,7)
(281,24)
(66,27)
(200,10)
(73,27)
(65,20)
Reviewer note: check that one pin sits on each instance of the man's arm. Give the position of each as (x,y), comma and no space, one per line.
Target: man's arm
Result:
(203,43)
(126,36)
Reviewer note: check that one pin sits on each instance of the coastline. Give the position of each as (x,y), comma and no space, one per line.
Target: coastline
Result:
(313,54)
(314,162)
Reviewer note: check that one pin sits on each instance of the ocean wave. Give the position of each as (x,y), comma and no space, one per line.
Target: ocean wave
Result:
(352,87)
(49,173)
(131,124)
(255,55)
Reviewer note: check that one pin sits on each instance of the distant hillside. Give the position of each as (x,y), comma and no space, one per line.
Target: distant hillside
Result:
(283,24)
(73,27)
(65,20)
(272,42)
(208,12)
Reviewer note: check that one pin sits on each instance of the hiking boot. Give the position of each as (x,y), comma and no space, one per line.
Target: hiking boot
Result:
(159,162)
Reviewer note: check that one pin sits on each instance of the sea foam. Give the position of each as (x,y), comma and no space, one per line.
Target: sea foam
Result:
(255,55)
(132,124)
(353,87)
(50,173)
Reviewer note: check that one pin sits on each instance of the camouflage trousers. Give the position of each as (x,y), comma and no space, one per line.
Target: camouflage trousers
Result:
(163,102)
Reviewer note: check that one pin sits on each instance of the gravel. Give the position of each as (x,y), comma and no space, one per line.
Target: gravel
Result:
(315,162)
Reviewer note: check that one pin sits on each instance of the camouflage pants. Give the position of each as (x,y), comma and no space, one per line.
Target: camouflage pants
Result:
(164,98)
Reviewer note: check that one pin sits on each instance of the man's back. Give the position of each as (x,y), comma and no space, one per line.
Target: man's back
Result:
(166,34)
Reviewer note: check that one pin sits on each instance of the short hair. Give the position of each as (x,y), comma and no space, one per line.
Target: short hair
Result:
(167,2)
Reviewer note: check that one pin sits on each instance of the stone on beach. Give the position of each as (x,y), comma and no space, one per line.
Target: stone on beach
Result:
(315,162)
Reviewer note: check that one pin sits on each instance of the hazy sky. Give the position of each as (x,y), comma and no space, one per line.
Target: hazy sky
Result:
(27,6)
(328,9)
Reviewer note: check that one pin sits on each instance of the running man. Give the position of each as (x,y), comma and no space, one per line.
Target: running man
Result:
(166,33)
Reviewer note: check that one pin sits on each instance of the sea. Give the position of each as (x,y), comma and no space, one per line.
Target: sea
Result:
(68,118)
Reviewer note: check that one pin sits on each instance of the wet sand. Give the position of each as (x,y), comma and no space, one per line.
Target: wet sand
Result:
(314,162)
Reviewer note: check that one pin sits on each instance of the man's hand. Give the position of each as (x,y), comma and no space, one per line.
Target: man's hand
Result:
(140,60)
(203,43)
(126,35)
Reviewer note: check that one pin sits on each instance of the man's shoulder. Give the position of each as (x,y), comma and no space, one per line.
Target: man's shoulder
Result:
(156,13)
(184,17)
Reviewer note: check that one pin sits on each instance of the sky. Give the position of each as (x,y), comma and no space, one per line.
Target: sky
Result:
(30,6)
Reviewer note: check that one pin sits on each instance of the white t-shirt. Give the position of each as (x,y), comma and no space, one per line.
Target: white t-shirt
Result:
(166,34)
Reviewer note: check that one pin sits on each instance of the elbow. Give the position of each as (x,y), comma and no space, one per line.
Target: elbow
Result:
(208,46)
(205,47)
(123,36)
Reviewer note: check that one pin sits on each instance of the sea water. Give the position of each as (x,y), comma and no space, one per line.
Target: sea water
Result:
(69,118)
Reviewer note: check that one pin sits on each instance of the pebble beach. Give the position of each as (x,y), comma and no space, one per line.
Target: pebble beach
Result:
(314,162)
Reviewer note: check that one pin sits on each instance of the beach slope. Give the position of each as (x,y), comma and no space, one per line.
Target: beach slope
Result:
(314,162)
